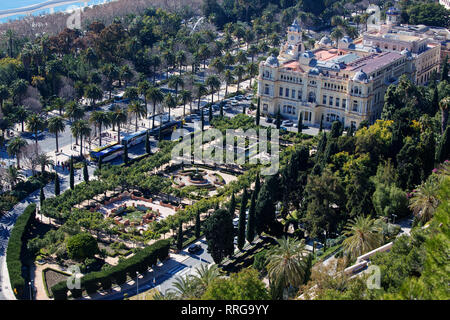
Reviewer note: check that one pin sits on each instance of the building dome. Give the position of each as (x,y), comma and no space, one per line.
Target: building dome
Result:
(347,39)
(314,71)
(360,76)
(295,27)
(406,53)
(325,40)
(375,49)
(308,54)
(272,61)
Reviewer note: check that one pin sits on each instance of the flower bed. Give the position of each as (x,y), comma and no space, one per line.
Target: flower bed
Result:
(52,277)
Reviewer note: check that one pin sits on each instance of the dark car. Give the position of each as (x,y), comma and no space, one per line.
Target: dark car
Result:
(269,120)
(194,248)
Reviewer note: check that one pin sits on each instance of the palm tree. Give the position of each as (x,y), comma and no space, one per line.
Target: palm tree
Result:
(119,117)
(138,110)
(206,274)
(180,59)
(15,148)
(200,91)
(21,115)
(174,82)
(35,123)
(337,34)
(425,199)
(100,118)
(252,70)
(185,287)
(143,86)
(56,125)
(94,93)
(239,71)
(186,96)
(156,96)
(44,160)
(80,128)
(74,111)
(229,78)
(13,176)
(170,102)
(287,263)
(444,104)
(363,235)
(213,83)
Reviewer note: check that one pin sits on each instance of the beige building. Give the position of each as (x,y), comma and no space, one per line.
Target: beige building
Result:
(343,83)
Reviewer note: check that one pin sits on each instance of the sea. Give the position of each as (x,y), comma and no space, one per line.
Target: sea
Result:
(16,4)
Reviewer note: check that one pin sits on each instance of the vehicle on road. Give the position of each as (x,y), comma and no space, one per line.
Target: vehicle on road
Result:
(107,153)
(134,138)
(287,123)
(194,248)
(269,120)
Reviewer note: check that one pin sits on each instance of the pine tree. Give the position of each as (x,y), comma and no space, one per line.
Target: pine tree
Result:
(85,172)
(258,112)
(72,173)
(147,143)
(197,225)
(125,154)
(57,187)
(300,123)
(443,150)
(250,235)
(180,237)
(42,196)
(241,225)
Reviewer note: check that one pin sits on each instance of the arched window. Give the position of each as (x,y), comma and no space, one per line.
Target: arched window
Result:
(312,97)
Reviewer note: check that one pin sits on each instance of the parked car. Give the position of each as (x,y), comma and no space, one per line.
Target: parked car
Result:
(287,123)
(269,120)
(194,248)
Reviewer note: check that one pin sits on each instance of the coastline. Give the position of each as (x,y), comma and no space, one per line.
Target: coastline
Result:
(28,10)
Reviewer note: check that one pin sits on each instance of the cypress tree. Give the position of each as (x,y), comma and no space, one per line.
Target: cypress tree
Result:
(435,102)
(232,208)
(57,187)
(42,196)
(85,172)
(300,123)
(147,143)
(180,237)
(258,112)
(100,161)
(125,154)
(241,225)
(444,74)
(251,218)
(321,124)
(203,121)
(243,109)
(257,184)
(197,225)
(221,109)
(443,150)
(210,114)
(71,177)
(278,119)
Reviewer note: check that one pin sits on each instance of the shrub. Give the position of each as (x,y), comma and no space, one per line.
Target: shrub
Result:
(14,251)
(82,246)
(59,290)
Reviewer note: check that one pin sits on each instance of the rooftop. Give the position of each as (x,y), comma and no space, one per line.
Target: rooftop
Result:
(373,62)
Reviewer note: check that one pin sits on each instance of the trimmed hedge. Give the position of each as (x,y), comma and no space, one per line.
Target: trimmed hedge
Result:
(14,251)
(140,262)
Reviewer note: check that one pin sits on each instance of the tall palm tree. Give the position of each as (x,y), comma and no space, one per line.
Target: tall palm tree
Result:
(170,102)
(56,125)
(81,129)
(175,82)
(35,123)
(213,83)
(185,287)
(186,96)
(143,86)
(444,104)
(206,274)
(156,96)
(200,91)
(363,235)
(21,115)
(425,200)
(15,148)
(138,110)
(239,71)
(337,34)
(252,70)
(119,117)
(287,263)
(74,111)
(228,78)
(100,118)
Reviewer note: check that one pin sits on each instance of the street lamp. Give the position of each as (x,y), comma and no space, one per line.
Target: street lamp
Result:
(137,282)
(31,294)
